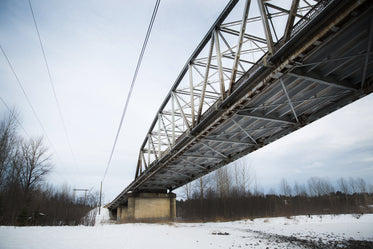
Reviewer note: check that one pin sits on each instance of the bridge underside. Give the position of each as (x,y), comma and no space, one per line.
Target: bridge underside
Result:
(326,66)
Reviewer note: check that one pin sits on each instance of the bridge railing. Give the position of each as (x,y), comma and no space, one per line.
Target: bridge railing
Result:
(234,46)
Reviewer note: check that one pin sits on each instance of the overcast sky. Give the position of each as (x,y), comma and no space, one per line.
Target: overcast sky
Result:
(92,49)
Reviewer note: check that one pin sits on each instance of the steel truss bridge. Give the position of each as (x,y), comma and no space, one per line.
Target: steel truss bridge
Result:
(262,71)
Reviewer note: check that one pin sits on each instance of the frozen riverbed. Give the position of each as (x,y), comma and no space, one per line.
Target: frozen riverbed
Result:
(328,231)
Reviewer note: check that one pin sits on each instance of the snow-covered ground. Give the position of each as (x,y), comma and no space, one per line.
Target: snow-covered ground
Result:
(328,231)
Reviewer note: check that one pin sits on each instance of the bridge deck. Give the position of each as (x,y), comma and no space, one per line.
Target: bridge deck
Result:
(326,65)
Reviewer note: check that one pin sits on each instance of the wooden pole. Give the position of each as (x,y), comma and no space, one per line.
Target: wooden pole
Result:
(99,208)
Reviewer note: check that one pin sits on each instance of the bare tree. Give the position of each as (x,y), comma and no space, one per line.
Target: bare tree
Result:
(361,185)
(8,140)
(200,186)
(343,186)
(312,186)
(223,180)
(24,199)
(353,185)
(318,186)
(188,190)
(370,188)
(285,187)
(299,189)
(242,175)
(35,164)
(15,166)
(256,191)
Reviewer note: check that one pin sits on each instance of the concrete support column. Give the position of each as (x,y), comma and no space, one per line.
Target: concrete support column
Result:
(173,207)
(148,207)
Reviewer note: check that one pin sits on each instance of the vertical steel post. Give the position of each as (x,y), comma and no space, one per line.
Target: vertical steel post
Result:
(291,18)
(220,66)
(267,29)
(153,147)
(191,92)
(239,46)
(149,149)
(159,135)
(173,117)
(139,166)
(99,207)
(143,159)
(140,162)
(205,79)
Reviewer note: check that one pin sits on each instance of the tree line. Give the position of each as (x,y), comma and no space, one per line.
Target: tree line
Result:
(25,196)
(232,192)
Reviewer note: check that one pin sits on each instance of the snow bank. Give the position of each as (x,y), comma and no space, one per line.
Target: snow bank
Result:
(346,226)
(103,217)
(258,233)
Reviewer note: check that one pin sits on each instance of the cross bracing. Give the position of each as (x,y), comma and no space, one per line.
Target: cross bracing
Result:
(254,78)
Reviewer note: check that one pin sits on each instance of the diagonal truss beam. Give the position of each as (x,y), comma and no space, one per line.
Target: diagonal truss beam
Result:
(289,100)
(247,36)
(228,141)
(181,110)
(153,147)
(239,46)
(214,150)
(205,79)
(165,130)
(189,163)
(230,49)
(203,156)
(139,166)
(293,8)
(369,48)
(244,131)
(315,77)
(215,67)
(270,117)
(178,173)
(291,18)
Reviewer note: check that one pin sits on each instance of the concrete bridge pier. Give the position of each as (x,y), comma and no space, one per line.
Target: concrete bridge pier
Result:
(148,207)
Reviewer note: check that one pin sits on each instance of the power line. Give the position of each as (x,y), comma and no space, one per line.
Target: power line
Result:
(27,98)
(133,83)
(28,101)
(52,84)
(30,104)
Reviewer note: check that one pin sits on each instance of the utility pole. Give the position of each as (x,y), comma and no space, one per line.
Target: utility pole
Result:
(99,208)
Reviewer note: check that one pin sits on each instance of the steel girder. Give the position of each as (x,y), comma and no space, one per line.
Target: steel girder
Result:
(247,86)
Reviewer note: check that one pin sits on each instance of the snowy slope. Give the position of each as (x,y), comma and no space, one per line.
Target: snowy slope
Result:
(297,232)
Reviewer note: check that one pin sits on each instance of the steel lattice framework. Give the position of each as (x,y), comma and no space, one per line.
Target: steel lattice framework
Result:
(250,81)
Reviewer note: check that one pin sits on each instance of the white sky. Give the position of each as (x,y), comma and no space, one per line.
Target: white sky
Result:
(92,49)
